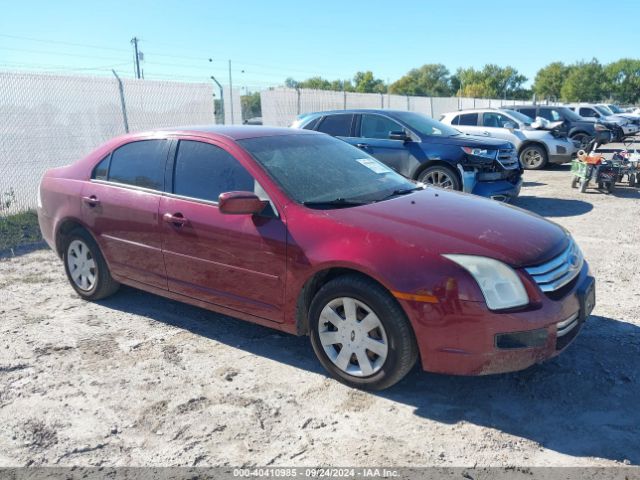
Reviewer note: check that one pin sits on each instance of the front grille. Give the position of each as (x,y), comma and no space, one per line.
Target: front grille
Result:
(556,273)
(508,159)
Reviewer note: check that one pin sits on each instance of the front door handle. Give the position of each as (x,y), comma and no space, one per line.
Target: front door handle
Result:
(176,220)
(91,200)
(362,145)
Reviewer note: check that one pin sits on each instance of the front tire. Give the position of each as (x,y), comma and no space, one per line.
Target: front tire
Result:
(86,268)
(583,138)
(533,157)
(440,176)
(360,334)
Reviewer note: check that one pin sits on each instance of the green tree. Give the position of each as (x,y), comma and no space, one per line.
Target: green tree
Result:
(584,83)
(251,105)
(623,80)
(365,82)
(492,81)
(428,80)
(549,80)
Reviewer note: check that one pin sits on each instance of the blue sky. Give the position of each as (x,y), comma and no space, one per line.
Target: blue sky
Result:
(271,40)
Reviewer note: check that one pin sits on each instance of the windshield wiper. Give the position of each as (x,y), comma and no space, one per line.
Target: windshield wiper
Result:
(337,202)
(401,191)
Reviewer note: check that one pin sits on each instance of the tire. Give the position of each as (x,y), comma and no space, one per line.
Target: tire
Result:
(583,185)
(533,157)
(389,332)
(440,176)
(583,138)
(83,260)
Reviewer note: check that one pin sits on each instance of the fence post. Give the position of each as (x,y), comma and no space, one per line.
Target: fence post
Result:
(123,104)
(431,105)
(381,100)
(298,105)
(408,104)
(344,99)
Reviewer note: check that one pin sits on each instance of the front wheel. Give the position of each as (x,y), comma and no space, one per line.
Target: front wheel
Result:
(533,157)
(583,138)
(440,176)
(360,334)
(86,268)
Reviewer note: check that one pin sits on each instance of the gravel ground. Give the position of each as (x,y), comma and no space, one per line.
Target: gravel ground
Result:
(140,380)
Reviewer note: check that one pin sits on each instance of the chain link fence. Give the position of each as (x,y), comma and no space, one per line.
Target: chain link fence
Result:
(51,120)
(281,106)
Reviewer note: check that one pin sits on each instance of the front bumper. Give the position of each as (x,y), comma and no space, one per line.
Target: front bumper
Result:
(503,190)
(461,337)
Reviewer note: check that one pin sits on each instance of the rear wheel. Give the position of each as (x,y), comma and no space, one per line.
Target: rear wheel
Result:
(85,267)
(360,334)
(440,176)
(533,157)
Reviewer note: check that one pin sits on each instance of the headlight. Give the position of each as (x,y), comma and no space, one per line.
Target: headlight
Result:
(500,285)
(480,152)
(600,127)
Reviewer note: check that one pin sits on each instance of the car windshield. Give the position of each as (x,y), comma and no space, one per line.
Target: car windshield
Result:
(521,117)
(320,169)
(569,114)
(426,126)
(615,109)
(604,110)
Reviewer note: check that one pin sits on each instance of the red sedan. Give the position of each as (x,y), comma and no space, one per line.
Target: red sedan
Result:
(304,233)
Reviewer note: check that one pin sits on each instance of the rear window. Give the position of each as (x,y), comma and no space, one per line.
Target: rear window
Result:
(101,170)
(336,125)
(312,124)
(140,164)
(469,119)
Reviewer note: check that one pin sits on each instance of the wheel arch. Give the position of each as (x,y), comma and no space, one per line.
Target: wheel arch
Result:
(316,281)
(432,163)
(64,228)
(529,143)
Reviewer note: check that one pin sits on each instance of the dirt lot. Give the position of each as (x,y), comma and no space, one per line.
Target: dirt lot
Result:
(139,380)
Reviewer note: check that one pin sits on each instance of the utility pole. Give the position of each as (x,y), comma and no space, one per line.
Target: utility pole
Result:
(134,42)
(230,94)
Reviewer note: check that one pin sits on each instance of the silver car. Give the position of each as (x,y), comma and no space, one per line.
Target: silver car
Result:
(537,145)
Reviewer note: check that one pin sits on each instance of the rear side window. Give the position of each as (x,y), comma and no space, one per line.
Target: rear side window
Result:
(312,124)
(204,171)
(531,112)
(587,112)
(101,170)
(377,126)
(550,114)
(140,164)
(495,120)
(469,119)
(336,125)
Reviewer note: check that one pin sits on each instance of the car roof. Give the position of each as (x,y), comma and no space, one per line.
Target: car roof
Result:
(356,110)
(476,110)
(234,132)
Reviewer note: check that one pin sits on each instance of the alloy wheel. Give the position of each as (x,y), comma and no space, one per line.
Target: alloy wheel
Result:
(438,178)
(353,337)
(82,266)
(532,158)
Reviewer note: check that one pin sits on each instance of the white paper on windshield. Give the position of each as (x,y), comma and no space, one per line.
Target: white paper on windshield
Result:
(373,165)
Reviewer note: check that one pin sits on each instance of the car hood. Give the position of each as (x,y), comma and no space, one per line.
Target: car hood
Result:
(466,140)
(441,221)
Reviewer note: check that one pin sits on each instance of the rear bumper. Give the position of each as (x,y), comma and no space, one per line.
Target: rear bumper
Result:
(46,228)
(465,338)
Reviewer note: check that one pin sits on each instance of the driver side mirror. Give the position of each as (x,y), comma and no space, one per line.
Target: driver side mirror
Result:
(510,125)
(399,135)
(240,203)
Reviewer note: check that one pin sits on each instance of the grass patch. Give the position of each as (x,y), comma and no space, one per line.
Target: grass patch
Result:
(19,229)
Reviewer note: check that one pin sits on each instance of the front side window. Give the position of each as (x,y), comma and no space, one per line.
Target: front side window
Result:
(426,126)
(587,112)
(140,164)
(495,120)
(336,125)
(377,126)
(204,171)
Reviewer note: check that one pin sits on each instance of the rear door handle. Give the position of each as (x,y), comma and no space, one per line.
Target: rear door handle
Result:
(177,219)
(91,200)
(362,145)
